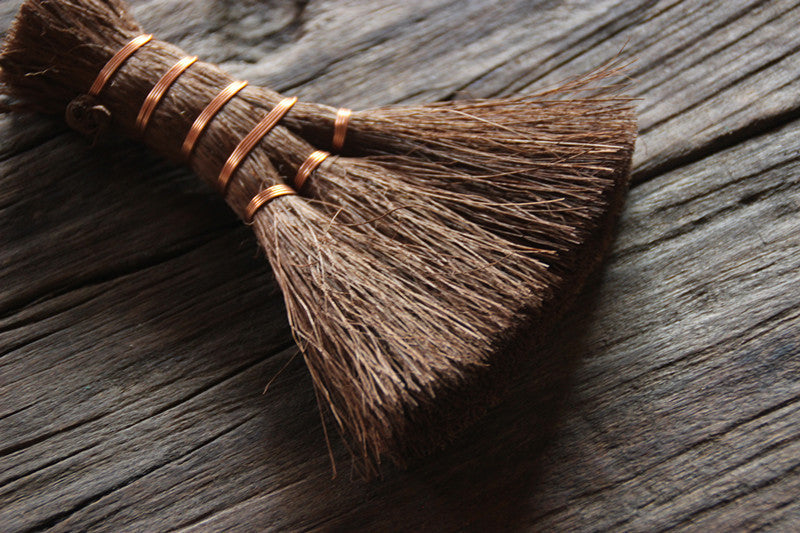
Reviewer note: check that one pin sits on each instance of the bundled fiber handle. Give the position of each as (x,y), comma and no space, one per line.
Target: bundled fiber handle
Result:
(414,246)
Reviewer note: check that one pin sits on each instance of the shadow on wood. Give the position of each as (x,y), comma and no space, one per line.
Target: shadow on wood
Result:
(484,480)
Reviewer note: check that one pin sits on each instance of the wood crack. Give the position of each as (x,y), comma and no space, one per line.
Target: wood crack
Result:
(45,436)
(54,291)
(706,33)
(525,81)
(756,128)
(726,501)
(59,518)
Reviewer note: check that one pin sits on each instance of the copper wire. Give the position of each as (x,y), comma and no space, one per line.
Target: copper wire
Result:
(265,197)
(116,61)
(340,128)
(207,115)
(251,140)
(308,167)
(158,91)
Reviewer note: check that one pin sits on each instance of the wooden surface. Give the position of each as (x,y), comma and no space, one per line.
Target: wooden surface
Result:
(668,398)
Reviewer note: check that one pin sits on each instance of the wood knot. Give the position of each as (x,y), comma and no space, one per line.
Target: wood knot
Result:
(88,116)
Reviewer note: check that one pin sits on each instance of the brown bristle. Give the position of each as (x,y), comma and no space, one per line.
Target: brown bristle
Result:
(410,265)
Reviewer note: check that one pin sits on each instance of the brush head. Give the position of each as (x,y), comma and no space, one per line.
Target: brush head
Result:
(410,269)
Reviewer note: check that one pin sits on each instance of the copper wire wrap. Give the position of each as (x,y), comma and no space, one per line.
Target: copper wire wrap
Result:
(308,167)
(251,140)
(265,197)
(116,61)
(207,115)
(340,128)
(159,90)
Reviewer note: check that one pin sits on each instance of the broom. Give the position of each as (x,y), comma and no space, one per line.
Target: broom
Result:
(409,268)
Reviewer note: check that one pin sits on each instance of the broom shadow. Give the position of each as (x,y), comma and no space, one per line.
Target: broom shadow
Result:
(486,478)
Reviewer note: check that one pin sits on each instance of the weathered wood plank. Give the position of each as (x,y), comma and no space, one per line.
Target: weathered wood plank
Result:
(669,398)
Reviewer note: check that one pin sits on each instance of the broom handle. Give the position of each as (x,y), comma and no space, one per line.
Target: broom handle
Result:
(170,106)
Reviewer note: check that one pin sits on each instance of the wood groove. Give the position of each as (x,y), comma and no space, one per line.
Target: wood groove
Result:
(61,517)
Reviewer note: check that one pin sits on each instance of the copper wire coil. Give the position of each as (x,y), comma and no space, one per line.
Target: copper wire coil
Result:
(340,128)
(110,68)
(214,107)
(159,90)
(308,167)
(265,197)
(251,140)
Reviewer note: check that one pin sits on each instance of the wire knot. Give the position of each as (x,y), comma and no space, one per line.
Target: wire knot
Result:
(86,115)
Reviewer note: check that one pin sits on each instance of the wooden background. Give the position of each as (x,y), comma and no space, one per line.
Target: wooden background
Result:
(668,398)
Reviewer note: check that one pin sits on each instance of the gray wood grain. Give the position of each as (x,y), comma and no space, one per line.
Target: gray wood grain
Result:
(668,398)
